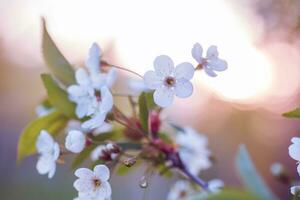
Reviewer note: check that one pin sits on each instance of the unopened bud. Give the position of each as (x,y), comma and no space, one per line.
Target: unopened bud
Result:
(279,171)
(113,147)
(105,155)
(154,123)
(129,162)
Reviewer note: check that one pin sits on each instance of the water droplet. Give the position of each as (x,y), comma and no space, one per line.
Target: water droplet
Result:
(143,182)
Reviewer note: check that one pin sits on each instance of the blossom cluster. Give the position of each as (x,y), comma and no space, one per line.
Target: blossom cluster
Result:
(98,131)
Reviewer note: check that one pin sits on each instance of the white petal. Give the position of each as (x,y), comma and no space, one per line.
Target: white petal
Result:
(104,192)
(82,77)
(184,70)
(95,122)
(163,96)
(295,140)
(93,60)
(55,151)
(197,52)
(102,172)
(76,90)
(84,185)
(75,141)
(81,109)
(84,173)
(295,190)
(99,80)
(215,185)
(111,77)
(210,72)
(106,100)
(137,86)
(212,52)
(97,152)
(298,169)
(46,165)
(163,66)
(183,88)
(52,170)
(44,143)
(294,151)
(152,80)
(104,128)
(218,64)
(42,164)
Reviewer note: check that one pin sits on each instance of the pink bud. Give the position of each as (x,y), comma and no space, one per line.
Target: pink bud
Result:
(154,123)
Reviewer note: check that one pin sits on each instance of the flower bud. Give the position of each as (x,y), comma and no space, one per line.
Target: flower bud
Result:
(129,162)
(113,147)
(154,123)
(279,171)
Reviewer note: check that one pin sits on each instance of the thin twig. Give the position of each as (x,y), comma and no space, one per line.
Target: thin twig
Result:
(106,64)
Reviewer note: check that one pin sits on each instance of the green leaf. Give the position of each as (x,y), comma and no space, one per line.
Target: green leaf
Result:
(80,158)
(250,176)
(54,59)
(53,123)
(150,101)
(146,104)
(143,112)
(292,114)
(58,97)
(227,194)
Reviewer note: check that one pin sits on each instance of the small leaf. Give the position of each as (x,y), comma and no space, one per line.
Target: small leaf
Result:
(292,114)
(80,158)
(227,194)
(53,123)
(143,111)
(150,101)
(58,97)
(250,176)
(54,59)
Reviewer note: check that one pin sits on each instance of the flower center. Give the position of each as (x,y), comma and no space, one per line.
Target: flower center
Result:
(97,183)
(182,194)
(169,81)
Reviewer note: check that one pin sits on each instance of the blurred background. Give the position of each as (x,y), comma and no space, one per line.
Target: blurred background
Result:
(259,39)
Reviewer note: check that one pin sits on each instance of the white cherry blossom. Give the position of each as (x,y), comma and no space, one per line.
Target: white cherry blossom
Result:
(211,63)
(101,107)
(99,79)
(93,185)
(193,150)
(294,151)
(168,80)
(83,93)
(49,153)
(75,141)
